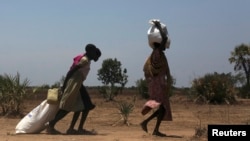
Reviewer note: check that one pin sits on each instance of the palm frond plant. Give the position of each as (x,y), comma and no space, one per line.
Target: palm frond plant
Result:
(12,93)
(125,108)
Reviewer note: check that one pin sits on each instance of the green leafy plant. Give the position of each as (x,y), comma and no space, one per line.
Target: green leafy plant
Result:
(125,108)
(113,76)
(142,87)
(108,92)
(12,93)
(215,88)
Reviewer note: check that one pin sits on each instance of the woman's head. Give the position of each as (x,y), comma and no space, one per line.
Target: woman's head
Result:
(98,54)
(92,52)
(159,46)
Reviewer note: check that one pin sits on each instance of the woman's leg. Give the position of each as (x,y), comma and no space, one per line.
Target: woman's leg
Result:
(88,105)
(145,122)
(83,119)
(74,119)
(59,115)
(76,114)
(160,117)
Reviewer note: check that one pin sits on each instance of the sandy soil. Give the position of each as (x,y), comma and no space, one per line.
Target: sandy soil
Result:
(105,120)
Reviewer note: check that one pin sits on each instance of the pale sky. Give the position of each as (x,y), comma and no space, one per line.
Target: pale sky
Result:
(39,38)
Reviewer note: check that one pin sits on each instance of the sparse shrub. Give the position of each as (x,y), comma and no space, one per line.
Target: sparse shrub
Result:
(244,91)
(45,86)
(200,131)
(56,85)
(142,88)
(12,94)
(108,92)
(125,108)
(215,88)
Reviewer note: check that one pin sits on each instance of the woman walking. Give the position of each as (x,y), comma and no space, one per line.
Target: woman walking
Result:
(155,71)
(71,99)
(88,105)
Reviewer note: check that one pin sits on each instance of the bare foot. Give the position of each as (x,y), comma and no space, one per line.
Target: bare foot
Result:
(52,131)
(144,126)
(157,133)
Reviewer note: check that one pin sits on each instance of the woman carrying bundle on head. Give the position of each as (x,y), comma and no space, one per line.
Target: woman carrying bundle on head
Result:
(156,70)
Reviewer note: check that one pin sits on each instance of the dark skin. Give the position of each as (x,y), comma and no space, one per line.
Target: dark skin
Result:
(164,37)
(92,54)
(84,94)
(88,106)
(159,114)
(162,47)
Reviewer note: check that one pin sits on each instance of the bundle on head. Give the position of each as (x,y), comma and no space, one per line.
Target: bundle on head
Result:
(154,35)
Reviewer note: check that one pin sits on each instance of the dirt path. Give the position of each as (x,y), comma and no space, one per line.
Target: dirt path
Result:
(187,118)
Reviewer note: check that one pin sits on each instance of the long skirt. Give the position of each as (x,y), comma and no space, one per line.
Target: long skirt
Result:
(86,98)
(71,99)
(158,96)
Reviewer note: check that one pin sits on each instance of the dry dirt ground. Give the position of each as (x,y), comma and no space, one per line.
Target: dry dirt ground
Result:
(187,119)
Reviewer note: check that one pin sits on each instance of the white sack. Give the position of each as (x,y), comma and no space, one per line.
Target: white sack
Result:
(154,34)
(35,121)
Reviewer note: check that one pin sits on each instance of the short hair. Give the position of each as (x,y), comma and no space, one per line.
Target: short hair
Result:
(90,47)
(98,52)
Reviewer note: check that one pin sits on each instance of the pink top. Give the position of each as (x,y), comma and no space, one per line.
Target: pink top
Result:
(84,63)
(76,60)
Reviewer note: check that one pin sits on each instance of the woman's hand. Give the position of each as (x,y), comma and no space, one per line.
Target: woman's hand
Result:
(163,35)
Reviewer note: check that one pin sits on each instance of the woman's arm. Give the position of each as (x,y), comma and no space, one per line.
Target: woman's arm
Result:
(169,78)
(163,35)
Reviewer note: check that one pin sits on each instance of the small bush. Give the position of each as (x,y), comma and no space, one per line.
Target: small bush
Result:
(125,108)
(200,131)
(108,92)
(12,94)
(245,92)
(142,87)
(215,88)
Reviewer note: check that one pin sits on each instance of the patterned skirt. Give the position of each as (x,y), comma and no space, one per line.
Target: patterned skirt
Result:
(158,96)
